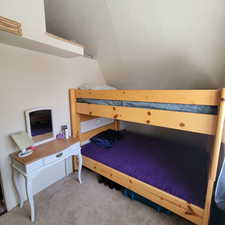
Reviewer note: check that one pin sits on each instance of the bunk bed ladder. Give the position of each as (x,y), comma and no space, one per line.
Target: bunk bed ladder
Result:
(214,158)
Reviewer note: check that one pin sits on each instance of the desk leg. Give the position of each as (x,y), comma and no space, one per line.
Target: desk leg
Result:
(17,186)
(67,166)
(30,197)
(80,167)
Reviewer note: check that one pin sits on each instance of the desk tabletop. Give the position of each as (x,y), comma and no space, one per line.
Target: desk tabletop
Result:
(45,149)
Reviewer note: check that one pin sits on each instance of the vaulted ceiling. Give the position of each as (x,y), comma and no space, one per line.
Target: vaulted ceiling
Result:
(147,43)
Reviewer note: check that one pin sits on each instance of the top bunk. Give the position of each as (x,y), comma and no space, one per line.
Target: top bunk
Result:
(188,110)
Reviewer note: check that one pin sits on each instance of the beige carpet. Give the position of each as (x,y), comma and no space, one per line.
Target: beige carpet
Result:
(69,203)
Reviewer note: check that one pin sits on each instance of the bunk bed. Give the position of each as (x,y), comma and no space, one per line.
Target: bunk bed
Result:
(198,111)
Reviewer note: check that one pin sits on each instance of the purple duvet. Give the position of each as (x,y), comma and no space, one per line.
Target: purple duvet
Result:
(176,169)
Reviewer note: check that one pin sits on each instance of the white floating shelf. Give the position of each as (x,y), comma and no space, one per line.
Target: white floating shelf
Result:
(24,26)
(48,45)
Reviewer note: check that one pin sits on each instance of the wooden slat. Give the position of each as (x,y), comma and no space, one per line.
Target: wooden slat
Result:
(191,212)
(194,122)
(199,97)
(87,135)
(10,26)
(8,21)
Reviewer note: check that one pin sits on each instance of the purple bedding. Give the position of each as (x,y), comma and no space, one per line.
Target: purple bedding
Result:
(176,169)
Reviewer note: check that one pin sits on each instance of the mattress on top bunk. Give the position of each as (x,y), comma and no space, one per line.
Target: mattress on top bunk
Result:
(176,169)
(205,109)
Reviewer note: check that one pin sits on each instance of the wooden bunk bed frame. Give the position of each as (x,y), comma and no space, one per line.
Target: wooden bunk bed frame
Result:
(193,122)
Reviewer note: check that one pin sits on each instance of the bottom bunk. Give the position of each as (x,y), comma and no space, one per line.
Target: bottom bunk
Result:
(172,175)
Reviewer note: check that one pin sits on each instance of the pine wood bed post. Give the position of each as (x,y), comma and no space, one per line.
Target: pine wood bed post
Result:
(117,124)
(75,122)
(74,116)
(214,157)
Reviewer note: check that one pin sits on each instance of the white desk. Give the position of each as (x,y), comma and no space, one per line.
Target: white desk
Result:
(44,156)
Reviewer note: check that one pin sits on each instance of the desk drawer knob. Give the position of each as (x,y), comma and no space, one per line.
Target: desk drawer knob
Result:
(59,155)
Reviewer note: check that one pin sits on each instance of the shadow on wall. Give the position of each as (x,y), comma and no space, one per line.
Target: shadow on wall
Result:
(175,71)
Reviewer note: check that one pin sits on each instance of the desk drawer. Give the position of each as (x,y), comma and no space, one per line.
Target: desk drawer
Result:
(62,155)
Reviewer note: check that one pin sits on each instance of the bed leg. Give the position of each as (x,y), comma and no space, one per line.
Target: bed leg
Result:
(117,124)
(206,215)
(214,158)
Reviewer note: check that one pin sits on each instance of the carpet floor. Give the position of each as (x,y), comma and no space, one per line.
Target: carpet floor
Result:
(69,203)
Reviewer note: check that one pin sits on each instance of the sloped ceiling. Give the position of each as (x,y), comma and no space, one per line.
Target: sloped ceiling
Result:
(147,44)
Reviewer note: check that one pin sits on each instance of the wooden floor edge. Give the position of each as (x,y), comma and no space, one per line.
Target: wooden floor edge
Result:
(179,206)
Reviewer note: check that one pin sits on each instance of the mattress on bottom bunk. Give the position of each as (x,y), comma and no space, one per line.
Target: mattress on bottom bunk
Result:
(177,169)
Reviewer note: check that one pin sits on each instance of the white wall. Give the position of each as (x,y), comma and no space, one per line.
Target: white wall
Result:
(30,79)
(31,15)
(148,44)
